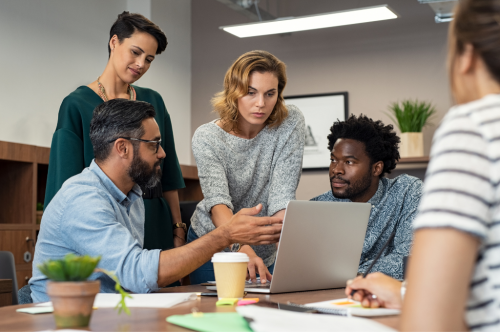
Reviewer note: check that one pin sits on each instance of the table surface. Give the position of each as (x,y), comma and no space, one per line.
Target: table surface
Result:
(153,319)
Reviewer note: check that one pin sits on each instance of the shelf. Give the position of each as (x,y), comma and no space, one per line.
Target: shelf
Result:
(189,172)
(42,155)
(413,163)
(414,160)
(17,152)
(17,192)
(15,227)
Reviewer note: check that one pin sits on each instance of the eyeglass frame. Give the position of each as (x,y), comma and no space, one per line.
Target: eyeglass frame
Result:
(140,140)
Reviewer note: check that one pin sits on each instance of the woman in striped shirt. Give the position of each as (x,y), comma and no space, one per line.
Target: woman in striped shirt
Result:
(454,272)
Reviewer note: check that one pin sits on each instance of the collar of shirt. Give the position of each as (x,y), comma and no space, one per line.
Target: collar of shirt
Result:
(118,195)
(378,195)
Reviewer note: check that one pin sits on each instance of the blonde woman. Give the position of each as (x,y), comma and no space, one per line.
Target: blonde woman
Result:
(251,156)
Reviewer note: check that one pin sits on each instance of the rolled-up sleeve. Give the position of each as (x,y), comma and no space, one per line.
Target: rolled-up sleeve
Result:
(96,232)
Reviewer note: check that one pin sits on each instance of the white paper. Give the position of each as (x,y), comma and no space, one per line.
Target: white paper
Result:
(153,300)
(63,330)
(364,312)
(36,310)
(274,320)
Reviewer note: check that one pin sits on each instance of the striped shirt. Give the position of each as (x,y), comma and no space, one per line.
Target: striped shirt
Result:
(462,191)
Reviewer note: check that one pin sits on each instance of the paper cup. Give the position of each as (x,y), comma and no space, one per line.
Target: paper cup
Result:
(230,274)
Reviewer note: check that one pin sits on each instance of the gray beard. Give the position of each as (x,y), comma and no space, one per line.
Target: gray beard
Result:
(145,176)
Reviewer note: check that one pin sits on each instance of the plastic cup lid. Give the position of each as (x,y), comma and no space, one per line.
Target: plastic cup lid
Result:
(230,257)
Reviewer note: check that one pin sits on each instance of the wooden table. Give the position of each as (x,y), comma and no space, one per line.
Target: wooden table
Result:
(153,319)
(5,292)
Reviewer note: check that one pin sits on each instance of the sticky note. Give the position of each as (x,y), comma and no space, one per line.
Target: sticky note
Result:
(228,301)
(247,301)
(344,303)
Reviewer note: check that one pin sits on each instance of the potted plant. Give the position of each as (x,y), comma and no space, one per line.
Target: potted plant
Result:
(411,117)
(71,294)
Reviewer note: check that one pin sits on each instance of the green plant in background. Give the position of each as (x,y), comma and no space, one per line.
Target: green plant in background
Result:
(39,206)
(411,116)
(79,268)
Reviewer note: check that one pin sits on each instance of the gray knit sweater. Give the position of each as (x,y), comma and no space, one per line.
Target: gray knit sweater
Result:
(241,173)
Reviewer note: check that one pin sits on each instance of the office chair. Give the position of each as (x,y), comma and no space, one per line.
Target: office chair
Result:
(8,271)
(187,210)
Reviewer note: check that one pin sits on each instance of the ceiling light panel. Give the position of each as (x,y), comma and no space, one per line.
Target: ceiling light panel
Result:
(321,21)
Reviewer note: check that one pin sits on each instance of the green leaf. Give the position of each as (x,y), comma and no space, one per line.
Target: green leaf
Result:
(69,268)
(121,306)
(411,116)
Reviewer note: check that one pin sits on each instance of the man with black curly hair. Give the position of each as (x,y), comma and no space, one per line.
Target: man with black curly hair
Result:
(362,152)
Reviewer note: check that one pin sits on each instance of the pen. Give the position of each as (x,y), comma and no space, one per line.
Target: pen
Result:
(376,258)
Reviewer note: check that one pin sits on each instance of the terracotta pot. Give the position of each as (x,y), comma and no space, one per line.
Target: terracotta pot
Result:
(73,302)
(412,145)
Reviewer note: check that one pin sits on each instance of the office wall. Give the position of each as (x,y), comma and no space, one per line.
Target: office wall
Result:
(50,47)
(171,73)
(376,63)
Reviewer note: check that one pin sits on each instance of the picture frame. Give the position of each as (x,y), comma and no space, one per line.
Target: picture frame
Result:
(320,112)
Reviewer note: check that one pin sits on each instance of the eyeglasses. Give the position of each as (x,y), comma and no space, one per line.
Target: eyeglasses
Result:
(158,142)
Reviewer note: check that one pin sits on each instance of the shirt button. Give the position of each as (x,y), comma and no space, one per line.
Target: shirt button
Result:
(366,259)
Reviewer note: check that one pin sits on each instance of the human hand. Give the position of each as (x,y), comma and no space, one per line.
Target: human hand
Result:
(386,289)
(179,237)
(256,265)
(244,228)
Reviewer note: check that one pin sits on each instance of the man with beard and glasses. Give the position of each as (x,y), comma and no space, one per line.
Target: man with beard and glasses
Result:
(362,152)
(99,211)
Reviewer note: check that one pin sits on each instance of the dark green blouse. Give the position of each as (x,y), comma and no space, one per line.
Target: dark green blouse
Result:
(71,151)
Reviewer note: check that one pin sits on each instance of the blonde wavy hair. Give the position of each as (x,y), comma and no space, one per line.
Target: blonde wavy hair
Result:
(236,83)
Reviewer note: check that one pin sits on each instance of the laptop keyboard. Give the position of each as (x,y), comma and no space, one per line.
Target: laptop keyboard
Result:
(257,285)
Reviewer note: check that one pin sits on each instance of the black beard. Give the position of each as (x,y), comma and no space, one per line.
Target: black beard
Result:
(355,190)
(142,174)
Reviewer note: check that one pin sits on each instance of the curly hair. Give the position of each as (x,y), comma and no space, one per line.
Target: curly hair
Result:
(381,142)
(236,83)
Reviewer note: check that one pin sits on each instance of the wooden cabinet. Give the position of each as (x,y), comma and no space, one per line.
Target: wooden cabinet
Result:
(5,292)
(23,178)
(23,170)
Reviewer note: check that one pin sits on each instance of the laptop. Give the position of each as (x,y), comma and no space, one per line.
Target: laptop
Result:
(320,247)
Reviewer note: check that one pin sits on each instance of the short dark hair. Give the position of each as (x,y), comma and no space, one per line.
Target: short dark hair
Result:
(117,118)
(128,23)
(381,142)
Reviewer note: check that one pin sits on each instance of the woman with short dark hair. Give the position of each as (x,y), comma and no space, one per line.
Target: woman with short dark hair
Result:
(134,42)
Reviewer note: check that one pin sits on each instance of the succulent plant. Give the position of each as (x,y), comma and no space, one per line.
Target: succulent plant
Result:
(70,268)
(79,268)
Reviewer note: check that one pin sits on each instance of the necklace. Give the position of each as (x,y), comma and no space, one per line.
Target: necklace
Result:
(102,92)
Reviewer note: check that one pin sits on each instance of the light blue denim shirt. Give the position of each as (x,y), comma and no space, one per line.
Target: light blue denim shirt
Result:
(394,206)
(89,215)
